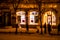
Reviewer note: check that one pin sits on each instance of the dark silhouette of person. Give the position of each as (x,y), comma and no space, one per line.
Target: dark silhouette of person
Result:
(58,28)
(44,28)
(49,28)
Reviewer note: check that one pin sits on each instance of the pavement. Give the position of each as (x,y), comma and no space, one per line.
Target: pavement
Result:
(9,34)
(31,30)
(28,37)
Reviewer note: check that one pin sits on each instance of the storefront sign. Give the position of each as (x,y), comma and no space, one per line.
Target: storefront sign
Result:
(28,6)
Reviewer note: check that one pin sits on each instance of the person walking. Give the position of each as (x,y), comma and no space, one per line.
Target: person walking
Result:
(44,28)
(58,28)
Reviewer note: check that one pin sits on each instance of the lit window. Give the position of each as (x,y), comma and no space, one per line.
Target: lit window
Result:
(33,17)
(49,17)
(21,17)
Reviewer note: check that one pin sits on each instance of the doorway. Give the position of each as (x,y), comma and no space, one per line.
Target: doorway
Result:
(6,18)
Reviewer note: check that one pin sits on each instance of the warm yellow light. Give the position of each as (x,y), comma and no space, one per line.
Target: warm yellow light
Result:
(45,17)
(55,6)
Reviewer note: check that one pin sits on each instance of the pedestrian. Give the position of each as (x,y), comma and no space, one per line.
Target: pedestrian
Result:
(49,28)
(58,28)
(44,28)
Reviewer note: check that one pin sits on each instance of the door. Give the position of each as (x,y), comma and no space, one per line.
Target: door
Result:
(1,20)
(6,18)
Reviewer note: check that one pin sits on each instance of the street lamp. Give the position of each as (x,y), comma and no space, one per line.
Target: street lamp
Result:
(39,4)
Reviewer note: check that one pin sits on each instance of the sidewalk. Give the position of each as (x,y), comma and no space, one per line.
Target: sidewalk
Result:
(31,30)
(19,30)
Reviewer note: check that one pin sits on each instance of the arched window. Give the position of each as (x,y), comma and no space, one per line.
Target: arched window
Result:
(49,17)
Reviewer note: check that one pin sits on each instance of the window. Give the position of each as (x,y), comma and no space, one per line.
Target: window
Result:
(33,17)
(21,17)
(49,17)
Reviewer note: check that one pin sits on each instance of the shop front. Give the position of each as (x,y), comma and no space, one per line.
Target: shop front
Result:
(31,19)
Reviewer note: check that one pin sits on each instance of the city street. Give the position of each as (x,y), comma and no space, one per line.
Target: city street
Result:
(29,19)
(9,34)
(35,36)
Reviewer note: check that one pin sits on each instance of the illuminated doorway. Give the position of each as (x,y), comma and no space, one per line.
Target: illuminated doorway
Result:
(49,17)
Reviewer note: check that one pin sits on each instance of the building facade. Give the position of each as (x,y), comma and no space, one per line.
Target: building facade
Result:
(31,12)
